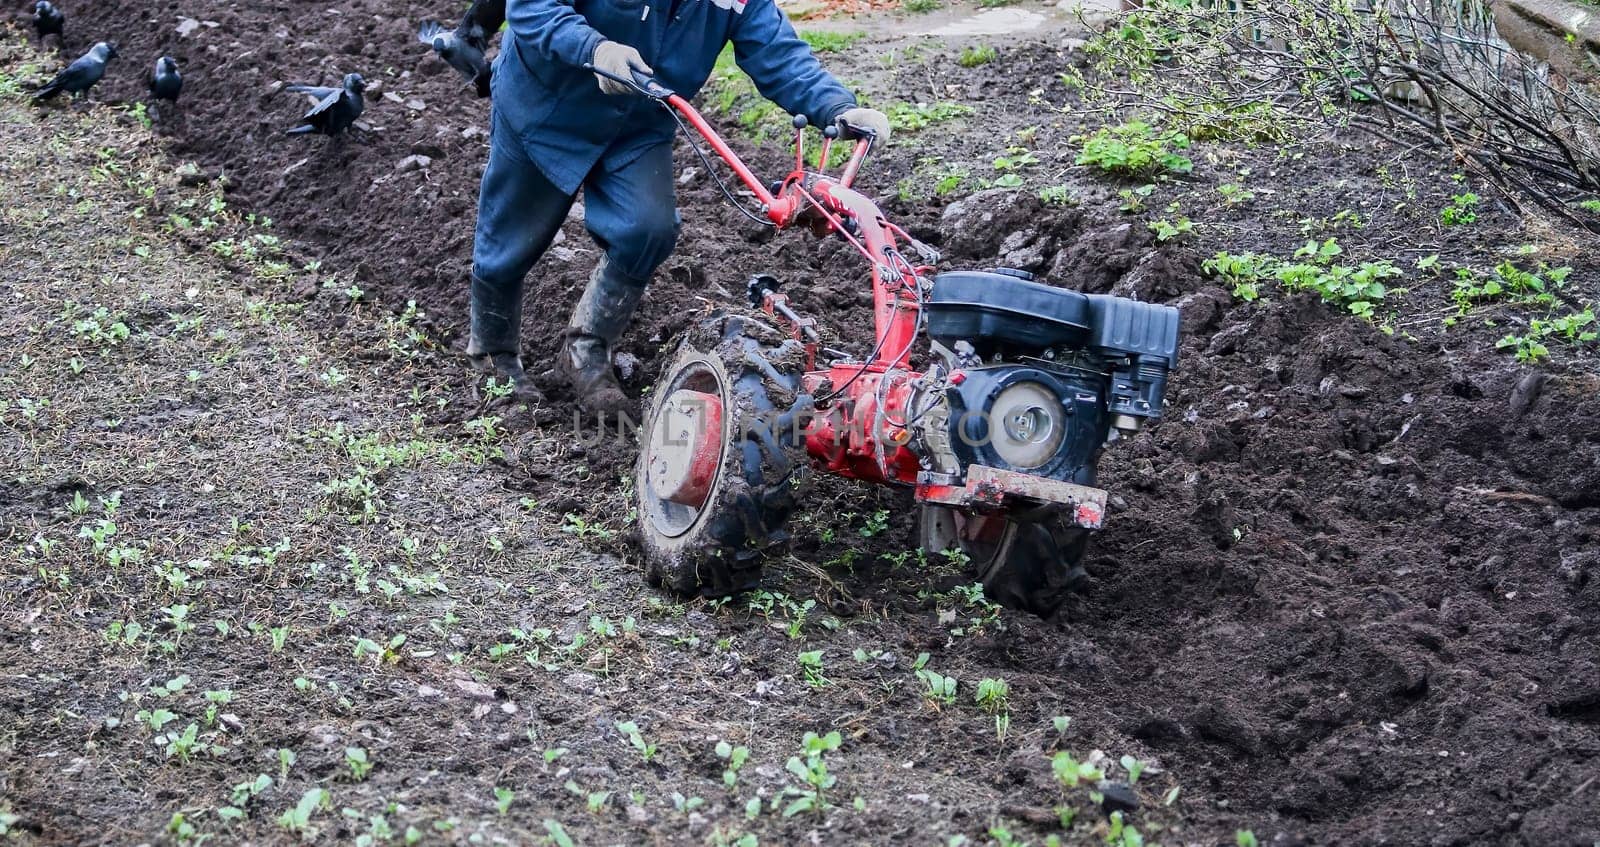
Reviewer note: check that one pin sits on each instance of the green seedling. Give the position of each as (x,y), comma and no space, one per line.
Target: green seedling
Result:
(1166,230)
(937,688)
(1134,767)
(1056,195)
(980,54)
(298,819)
(1461,210)
(1235,195)
(734,759)
(631,731)
(155,718)
(915,117)
(1071,773)
(502,799)
(811,669)
(812,772)
(356,759)
(556,834)
(1135,149)
(684,805)
(875,523)
(595,801)
(1133,198)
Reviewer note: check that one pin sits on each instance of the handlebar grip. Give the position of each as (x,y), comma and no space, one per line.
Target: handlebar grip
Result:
(641,82)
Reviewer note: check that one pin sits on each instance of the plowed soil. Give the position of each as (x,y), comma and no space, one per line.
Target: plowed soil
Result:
(1349,592)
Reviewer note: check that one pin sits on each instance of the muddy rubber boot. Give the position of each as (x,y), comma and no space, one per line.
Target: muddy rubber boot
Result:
(584,361)
(495,323)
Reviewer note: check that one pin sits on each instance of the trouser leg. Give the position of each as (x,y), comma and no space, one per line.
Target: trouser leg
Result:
(632,214)
(519,214)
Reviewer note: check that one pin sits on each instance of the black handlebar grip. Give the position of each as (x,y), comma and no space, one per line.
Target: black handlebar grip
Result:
(800,122)
(830,131)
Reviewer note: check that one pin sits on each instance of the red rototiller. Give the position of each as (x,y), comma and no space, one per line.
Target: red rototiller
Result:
(999,434)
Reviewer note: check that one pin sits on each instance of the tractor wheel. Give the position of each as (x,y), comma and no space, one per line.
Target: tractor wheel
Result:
(1028,565)
(721,457)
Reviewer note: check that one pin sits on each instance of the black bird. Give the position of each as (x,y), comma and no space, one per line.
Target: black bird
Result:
(336,108)
(464,48)
(81,75)
(48,20)
(165,81)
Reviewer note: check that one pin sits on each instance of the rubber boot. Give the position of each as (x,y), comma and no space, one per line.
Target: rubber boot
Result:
(492,341)
(602,315)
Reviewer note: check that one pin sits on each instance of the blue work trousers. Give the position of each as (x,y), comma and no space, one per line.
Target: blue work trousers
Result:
(630,212)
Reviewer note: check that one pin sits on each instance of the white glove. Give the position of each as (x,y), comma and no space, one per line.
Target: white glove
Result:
(859,123)
(618,59)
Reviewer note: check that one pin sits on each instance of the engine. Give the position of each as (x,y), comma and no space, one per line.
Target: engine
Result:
(1036,379)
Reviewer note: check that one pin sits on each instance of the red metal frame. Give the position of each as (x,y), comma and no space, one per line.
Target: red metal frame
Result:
(859,431)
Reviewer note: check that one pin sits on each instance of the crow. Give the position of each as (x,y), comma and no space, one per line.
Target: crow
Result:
(81,75)
(464,48)
(336,108)
(165,81)
(48,20)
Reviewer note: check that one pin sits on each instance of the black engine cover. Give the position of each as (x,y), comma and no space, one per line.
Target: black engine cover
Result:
(1004,312)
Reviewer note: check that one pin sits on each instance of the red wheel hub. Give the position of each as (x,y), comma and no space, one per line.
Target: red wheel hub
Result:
(686,447)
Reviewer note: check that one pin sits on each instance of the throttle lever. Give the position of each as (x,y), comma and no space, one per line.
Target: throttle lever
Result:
(928,253)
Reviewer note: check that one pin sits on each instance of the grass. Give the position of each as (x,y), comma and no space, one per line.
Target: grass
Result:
(830,41)
(978,54)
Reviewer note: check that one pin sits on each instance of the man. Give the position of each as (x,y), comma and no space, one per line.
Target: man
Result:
(556,127)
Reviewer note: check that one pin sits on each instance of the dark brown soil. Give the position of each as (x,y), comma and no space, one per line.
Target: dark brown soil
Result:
(1350,592)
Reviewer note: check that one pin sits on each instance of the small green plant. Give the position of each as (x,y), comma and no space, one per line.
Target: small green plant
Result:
(994,697)
(630,730)
(827,41)
(922,7)
(595,801)
(1590,206)
(1135,149)
(1243,271)
(1134,767)
(1461,210)
(355,758)
(937,688)
(555,833)
(1133,198)
(1235,195)
(1166,230)
(298,819)
(812,772)
(734,759)
(1071,773)
(502,799)
(875,523)
(914,117)
(811,669)
(1056,195)
(1245,838)
(978,54)
(578,526)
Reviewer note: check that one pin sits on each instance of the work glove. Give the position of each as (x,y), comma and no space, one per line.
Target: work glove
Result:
(619,59)
(862,123)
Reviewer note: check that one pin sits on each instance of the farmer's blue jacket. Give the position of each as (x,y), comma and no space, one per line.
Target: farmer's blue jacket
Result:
(568,126)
